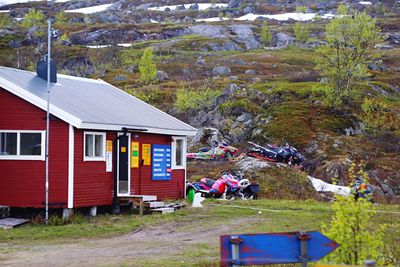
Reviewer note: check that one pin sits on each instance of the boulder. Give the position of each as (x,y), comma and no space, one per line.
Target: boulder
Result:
(119,78)
(233,4)
(283,40)
(213,31)
(194,7)
(201,61)
(248,10)
(244,34)
(180,7)
(207,136)
(78,66)
(162,75)
(250,72)
(252,164)
(221,71)
(226,46)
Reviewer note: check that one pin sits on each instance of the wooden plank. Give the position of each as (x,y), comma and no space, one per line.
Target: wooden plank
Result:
(155,204)
(12,222)
(163,210)
(143,197)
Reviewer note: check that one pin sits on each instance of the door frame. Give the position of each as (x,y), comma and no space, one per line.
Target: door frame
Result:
(129,165)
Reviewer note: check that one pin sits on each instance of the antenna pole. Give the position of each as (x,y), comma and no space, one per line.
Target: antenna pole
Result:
(48,118)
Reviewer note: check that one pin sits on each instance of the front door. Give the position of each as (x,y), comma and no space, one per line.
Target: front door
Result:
(123,165)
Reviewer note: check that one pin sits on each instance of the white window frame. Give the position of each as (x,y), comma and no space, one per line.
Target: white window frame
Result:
(25,157)
(173,156)
(94,158)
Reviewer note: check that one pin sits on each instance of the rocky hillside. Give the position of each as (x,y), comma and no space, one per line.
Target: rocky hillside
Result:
(212,56)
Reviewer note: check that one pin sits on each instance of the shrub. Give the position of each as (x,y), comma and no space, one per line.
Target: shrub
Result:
(193,99)
(350,227)
(33,18)
(377,116)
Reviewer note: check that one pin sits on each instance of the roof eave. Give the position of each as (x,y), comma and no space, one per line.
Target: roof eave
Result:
(114,127)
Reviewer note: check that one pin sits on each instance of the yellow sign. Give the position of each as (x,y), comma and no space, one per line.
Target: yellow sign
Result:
(146,154)
(123,149)
(109,146)
(135,154)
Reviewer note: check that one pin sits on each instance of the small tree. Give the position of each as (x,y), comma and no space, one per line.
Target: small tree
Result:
(61,18)
(4,20)
(265,34)
(33,18)
(301,29)
(344,59)
(349,227)
(147,68)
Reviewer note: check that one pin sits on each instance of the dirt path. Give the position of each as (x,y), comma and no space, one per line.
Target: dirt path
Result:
(159,241)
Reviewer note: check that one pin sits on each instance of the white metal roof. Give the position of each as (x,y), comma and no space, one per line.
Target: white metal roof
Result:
(91,104)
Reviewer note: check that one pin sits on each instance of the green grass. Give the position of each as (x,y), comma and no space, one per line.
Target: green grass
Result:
(257,216)
(293,215)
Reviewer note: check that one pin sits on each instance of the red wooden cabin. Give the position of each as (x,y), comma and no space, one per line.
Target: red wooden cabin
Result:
(104,144)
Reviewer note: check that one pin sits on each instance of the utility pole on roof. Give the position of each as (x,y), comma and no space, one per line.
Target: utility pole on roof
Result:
(48,118)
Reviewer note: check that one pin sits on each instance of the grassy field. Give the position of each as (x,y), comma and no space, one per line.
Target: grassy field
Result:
(192,234)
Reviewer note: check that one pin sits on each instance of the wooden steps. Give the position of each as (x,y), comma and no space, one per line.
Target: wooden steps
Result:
(149,204)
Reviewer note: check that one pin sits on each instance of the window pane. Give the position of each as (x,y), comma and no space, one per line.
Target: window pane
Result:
(8,144)
(98,150)
(89,145)
(31,144)
(179,152)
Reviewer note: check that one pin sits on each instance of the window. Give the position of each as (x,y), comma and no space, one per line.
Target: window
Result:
(28,145)
(179,152)
(94,146)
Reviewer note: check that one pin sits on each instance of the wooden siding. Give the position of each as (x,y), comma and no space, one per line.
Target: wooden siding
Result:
(22,182)
(93,186)
(141,182)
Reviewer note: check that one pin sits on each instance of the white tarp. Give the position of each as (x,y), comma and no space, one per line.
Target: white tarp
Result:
(321,186)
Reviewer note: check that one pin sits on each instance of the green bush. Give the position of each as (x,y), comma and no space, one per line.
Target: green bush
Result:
(33,18)
(377,116)
(193,99)
(301,31)
(351,228)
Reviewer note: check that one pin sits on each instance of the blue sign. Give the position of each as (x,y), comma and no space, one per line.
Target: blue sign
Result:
(161,159)
(274,248)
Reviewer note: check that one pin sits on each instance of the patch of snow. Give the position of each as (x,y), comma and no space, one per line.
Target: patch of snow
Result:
(105,46)
(284,16)
(211,19)
(5,11)
(365,3)
(202,6)
(90,10)
(125,45)
(97,46)
(9,2)
(153,21)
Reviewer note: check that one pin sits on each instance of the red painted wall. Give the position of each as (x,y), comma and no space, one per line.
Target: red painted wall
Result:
(22,182)
(93,186)
(141,182)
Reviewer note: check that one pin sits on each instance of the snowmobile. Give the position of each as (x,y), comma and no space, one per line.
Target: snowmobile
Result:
(221,151)
(227,186)
(285,154)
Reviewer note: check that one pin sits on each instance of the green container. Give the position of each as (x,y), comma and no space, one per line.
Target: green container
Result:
(190,195)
